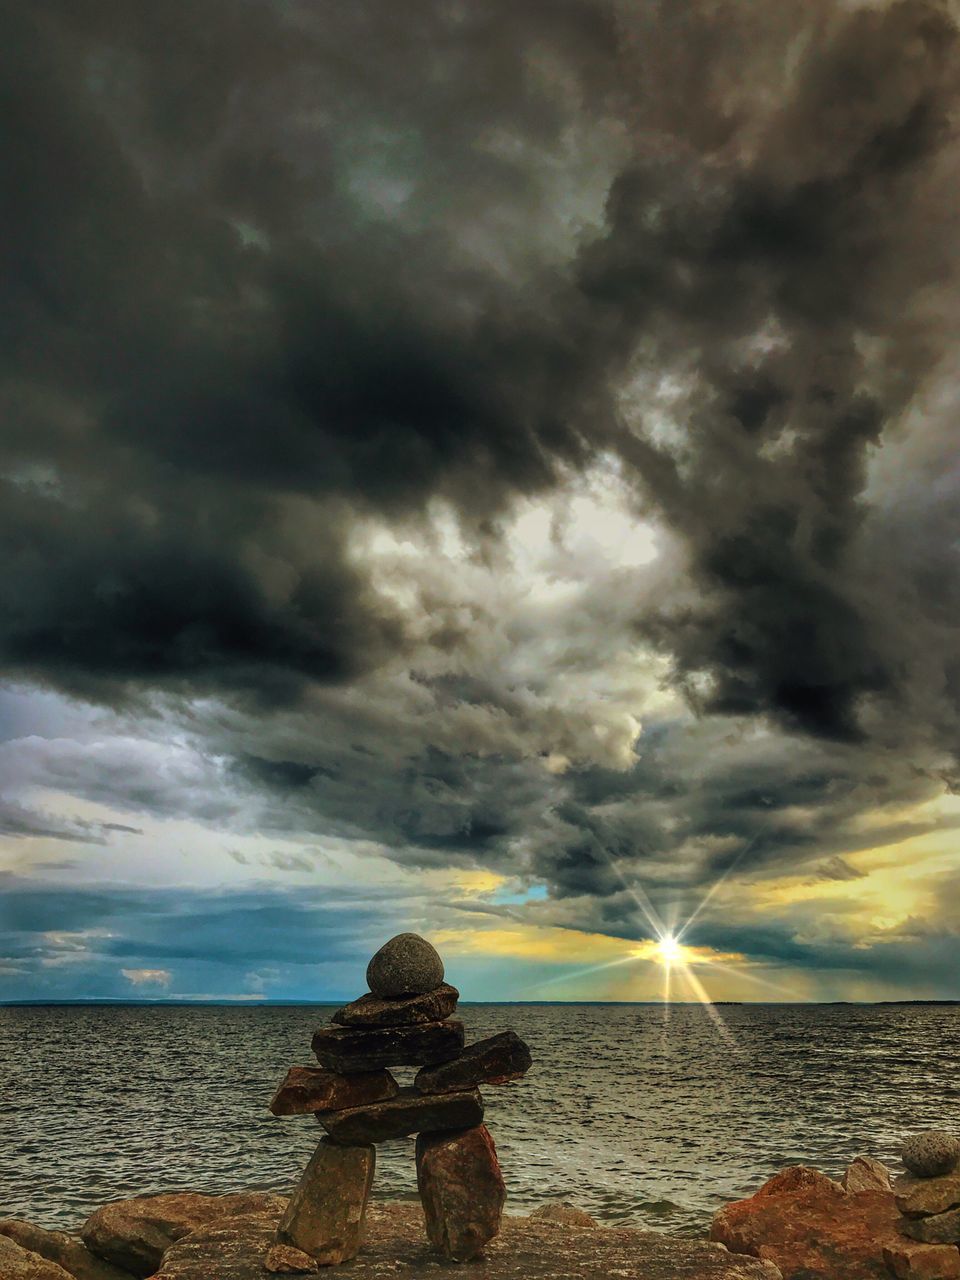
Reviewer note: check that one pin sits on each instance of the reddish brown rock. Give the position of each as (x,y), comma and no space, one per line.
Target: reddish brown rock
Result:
(461,1189)
(407,1011)
(285,1259)
(939,1228)
(492,1061)
(807,1225)
(133,1234)
(866,1174)
(17,1263)
(231,1249)
(922,1196)
(409,1112)
(306,1090)
(326,1211)
(66,1251)
(910,1261)
(349,1049)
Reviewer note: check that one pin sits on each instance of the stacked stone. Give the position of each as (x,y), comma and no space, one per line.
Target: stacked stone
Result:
(928,1197)
(404,1020)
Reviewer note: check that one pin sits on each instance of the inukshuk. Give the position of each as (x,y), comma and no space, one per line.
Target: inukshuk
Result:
(404,1020)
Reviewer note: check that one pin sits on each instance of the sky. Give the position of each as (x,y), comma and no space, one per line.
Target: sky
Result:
(483,469)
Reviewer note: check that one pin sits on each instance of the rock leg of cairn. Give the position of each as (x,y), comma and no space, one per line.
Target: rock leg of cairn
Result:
(461,1189)
(325,1215)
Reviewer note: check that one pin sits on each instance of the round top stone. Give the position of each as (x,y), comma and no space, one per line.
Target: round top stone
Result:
(407,965)
(931,1154)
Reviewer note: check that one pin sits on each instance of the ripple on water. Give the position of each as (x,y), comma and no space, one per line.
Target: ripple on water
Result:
(637,1120)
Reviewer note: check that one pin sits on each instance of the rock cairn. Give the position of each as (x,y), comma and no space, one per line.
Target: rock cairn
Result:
(404,1020)
(928,1197)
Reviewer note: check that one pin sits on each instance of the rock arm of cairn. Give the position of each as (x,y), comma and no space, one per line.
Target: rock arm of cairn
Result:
(461,1190)
(326,1211)
(405,1011)
(409,1112)
(306,1090)
(407,965)
(349,1049)
(492,1061)
(134,1234)
(938,1228)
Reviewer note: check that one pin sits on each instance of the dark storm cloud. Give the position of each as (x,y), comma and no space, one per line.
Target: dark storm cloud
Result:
(272,268)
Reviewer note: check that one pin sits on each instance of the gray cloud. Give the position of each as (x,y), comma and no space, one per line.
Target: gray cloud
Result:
(301,267)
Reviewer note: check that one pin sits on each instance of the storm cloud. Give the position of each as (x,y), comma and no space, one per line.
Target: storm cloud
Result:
(324,326)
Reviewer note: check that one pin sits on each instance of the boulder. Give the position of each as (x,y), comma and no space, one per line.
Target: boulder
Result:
(133,1234)
(349,1049)
(285,1259)
(568,1214)
(492,1061)
(326,1211)
(406,1011)
(230,1249)
(17,1263)
(409,1112)
(866,1174)
(938,1228)
(66,1251)
(930,1154)
(526,1249)
(807,1225)
(919,1197)
(909,1261)
(407,965)
(461,1190)
(306,1090)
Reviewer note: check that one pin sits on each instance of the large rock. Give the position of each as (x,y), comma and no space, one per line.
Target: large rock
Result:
(409,1112)
(326,1211)
(807,1225)
(568,1214)
(526,1249)
(461,1190)
(306,1090)
(17,1263)
(866,1174)
(930,1154)
(939,1228)
(918,1197)
(370,1048)
(231,1249)
(910,1261)
(407,965)
(406,1011)
(133,1234)
(492,1061)
(66,1251)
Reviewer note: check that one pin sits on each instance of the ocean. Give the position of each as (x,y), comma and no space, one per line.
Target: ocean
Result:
(639,1116)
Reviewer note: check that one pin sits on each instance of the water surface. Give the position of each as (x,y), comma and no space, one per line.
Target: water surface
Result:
(636,1118)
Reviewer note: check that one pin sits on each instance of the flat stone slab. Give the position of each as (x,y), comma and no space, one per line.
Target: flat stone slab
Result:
(918,1197)
(404,1011)
(526,1249)
(66,1251)
(492,1061)
(370,1048)
(306,1090)
(409,1112)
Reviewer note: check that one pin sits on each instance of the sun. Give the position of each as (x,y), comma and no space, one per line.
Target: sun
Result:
(669,950)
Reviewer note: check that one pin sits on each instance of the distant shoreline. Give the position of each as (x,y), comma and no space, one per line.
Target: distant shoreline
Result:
(333,1001)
